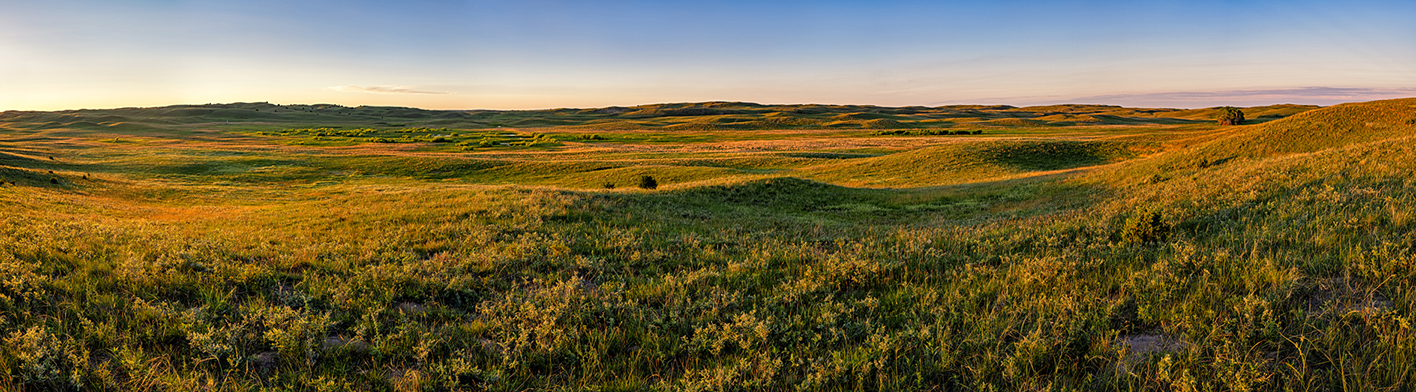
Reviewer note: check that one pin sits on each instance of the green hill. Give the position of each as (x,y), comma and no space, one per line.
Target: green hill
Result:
(1306,132)
(1324,128)
(967,162)
(702,116)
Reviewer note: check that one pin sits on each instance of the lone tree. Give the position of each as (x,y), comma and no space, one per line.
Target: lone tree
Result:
(648,182)
(1230,115)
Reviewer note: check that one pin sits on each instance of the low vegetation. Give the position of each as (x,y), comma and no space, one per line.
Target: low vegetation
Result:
(648,182)
(1137,249)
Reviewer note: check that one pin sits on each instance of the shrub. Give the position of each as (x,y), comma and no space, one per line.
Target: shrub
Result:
(53,180)
(1229,115)
(45,359)
(648,182)
(1145,227)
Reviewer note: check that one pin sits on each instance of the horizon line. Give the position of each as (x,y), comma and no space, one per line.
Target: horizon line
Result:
(1059,103)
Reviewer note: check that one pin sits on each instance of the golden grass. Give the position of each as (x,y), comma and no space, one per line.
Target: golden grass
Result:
(1278,259)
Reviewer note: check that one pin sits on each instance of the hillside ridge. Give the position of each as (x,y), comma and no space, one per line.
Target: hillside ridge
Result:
(686,116)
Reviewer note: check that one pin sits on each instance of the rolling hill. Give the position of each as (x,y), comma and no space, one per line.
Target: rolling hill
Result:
(788,247)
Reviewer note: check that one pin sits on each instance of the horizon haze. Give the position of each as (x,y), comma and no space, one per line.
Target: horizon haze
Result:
(534,55)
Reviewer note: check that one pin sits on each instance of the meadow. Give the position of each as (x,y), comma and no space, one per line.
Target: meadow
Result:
(271,247)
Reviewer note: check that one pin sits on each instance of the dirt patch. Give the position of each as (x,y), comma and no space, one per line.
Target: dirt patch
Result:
(1137,347)
(265,362)
(1339,296)
(411,308)
(340,343)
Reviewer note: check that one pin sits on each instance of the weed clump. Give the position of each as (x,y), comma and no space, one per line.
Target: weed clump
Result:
(45,359)
(1145,227)
(648,182)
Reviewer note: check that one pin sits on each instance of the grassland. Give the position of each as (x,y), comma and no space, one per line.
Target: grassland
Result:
(788,247)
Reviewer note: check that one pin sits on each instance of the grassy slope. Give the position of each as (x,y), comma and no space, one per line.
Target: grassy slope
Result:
(1286,263)
(675,118)
(969,162)
(1334,127)
(1331,127)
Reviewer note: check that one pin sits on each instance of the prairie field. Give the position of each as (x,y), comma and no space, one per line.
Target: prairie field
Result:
(252,246)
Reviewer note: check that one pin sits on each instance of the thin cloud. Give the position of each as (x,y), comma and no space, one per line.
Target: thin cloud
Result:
(1303,95)
(384,90)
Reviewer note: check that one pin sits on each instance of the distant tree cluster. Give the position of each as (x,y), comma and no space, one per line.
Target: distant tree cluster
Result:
(1230,115)
(926,132)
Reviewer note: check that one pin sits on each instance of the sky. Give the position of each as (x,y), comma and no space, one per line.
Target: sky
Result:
(534,54)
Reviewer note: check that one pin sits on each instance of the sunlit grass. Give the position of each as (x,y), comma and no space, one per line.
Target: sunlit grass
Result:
(1145,258)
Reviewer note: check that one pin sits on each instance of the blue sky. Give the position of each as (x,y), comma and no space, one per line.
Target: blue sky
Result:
(542,54)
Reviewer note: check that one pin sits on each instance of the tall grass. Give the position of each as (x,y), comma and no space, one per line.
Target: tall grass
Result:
(1276,272)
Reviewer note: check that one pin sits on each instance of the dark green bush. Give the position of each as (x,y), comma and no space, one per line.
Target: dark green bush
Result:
(1145,227)
(648,182)
(1229,115)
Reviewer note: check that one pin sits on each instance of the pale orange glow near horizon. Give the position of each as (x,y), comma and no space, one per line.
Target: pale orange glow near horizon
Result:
(68,54)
